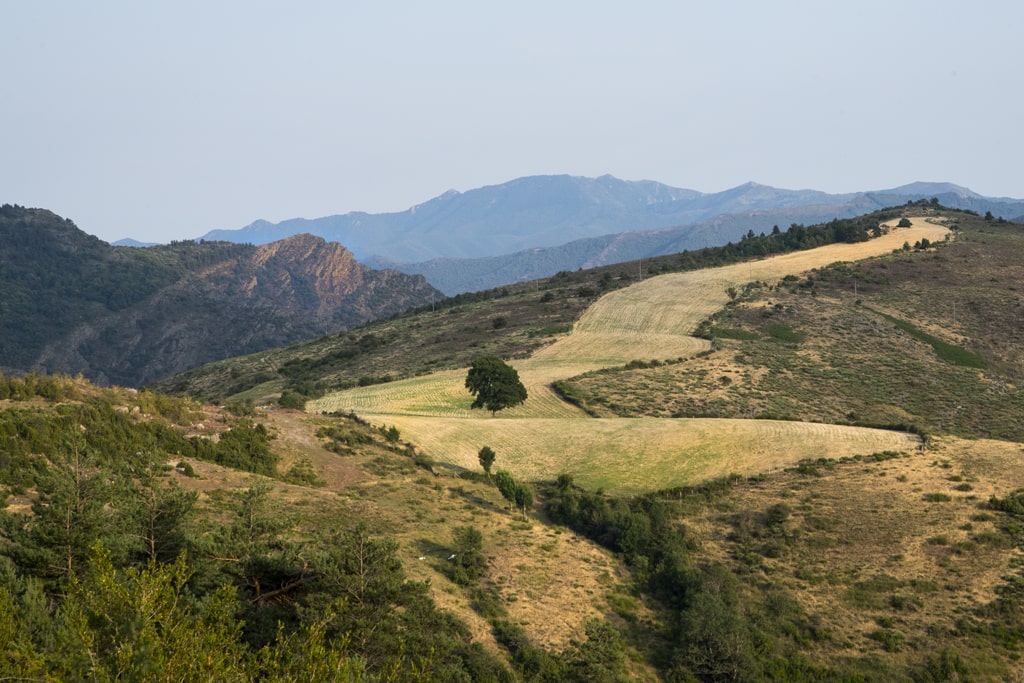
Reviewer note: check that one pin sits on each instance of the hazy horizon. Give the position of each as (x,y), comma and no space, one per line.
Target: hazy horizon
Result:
(166,122)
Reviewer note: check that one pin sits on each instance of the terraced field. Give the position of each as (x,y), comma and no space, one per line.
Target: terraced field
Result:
(652,319)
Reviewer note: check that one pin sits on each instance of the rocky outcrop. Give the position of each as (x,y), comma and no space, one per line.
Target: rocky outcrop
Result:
(129,316)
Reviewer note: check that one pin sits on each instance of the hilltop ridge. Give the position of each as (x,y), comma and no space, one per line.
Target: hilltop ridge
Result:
(535,226)
(125,315)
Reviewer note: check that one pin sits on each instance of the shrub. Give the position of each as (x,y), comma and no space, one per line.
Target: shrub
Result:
(292,399)
(1012,504)
(892,641)
(302,474)
(424,461)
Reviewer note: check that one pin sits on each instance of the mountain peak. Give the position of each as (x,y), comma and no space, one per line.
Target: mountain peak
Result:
(441,198)
(932,188)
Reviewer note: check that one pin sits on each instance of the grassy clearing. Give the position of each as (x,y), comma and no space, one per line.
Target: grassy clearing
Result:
(654,318)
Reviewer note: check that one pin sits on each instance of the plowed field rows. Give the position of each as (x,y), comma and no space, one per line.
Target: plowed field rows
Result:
(652,319)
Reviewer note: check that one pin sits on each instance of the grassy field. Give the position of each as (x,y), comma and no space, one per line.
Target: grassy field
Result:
(632,456)
(652,319)
(873,343)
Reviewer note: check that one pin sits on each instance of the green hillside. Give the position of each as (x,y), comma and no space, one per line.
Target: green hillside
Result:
(151,537)
(119,315)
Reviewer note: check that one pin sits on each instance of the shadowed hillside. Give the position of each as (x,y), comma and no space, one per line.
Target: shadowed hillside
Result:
(71,303)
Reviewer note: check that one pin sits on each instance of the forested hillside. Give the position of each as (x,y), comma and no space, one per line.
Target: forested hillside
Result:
(72,303)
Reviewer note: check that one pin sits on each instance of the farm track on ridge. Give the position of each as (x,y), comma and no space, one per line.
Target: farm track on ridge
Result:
(653,319)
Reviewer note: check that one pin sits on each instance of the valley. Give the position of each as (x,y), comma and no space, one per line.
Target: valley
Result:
(800,467)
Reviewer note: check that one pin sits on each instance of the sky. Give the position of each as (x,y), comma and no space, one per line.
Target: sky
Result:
(165,120)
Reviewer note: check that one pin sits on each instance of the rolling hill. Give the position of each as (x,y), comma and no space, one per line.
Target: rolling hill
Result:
(795,554)
(537,226)
(71,303)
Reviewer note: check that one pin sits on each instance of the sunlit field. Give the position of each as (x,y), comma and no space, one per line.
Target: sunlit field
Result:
(650,320)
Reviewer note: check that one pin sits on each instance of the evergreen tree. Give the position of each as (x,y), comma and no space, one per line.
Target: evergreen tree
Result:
(486,457)
(506,484)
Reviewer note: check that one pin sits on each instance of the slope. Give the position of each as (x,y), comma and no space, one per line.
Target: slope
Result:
(928,337)
(654,318)
(536,226)
(73,304)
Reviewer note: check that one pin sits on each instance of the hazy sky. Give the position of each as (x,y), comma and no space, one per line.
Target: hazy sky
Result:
(164,120)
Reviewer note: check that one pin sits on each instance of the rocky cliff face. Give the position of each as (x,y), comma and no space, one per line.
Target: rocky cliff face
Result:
(303,272)
(131,316)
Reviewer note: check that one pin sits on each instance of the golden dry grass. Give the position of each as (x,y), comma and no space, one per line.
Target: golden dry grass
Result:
(526,561)
(627,456)
(863,536)
(653,319)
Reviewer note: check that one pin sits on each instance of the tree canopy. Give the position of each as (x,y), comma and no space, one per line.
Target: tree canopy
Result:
(495,384)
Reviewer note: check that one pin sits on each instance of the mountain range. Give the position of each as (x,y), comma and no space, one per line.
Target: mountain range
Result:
(539,225)
(71,303)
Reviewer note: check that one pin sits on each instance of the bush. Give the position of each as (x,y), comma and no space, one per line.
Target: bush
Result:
(424,461)
(468,563)
(292,400)
(303,474)
(892,641)
(185,467)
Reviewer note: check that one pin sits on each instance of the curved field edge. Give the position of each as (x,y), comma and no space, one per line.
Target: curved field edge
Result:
(630,456)
(654,318)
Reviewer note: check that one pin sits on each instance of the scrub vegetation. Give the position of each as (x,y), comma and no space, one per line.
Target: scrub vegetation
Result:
(154,537)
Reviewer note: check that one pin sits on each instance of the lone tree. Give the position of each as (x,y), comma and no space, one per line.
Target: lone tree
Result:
(486,456)
(495,384)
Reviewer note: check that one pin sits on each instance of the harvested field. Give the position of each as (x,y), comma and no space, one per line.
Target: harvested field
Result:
(627,456)
(653,319)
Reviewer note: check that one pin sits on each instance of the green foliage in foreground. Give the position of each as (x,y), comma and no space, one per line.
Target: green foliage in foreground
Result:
(720,623)
(115,575)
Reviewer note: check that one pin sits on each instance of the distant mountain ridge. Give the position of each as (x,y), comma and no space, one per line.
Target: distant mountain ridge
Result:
(536,226)
(526,213)
(120,315)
